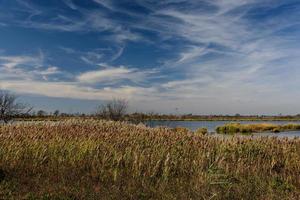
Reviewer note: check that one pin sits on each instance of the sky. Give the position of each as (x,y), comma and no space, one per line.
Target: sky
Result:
(164,56)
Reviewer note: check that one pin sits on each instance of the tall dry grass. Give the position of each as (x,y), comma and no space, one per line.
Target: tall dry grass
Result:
(113,160)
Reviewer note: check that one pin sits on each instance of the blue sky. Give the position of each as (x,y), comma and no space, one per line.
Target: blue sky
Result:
(200,56)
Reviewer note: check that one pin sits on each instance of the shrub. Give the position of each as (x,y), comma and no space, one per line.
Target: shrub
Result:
(201,131)
(180,129)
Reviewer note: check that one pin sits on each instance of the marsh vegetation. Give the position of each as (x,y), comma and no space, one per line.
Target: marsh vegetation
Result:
(237,128)
(91,159)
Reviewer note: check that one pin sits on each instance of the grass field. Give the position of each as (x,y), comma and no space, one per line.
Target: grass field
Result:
(89,159)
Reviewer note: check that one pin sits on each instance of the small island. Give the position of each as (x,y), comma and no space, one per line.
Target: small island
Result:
(237,128)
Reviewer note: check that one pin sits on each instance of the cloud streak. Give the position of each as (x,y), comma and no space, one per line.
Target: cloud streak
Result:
(114,74)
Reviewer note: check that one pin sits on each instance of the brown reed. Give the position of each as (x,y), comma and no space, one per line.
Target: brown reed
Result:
(90,159)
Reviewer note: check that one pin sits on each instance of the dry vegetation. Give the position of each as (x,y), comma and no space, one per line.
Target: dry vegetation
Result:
(234,128)
(113,160)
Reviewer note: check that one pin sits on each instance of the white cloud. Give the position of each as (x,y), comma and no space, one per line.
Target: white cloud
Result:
(106,4)
(70,4)
(85,21)
(105,75)
(114,74)
(73,90)
(49,71)
(98,55)
(21,74)
(25,74)
(10,62)
(25,67)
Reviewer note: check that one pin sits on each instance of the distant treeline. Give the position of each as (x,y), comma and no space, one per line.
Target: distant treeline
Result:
(191,117)
(116,110)
(42,115)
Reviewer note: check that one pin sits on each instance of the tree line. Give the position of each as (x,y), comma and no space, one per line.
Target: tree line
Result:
(115,109)
(11,108)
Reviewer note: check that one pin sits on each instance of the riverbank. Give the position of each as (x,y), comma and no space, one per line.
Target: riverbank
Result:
(88,159)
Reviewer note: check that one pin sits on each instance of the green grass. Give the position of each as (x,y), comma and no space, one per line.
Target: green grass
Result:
(112,160)
(237,128)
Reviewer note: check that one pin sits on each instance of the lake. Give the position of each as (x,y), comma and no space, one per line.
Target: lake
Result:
(211,126)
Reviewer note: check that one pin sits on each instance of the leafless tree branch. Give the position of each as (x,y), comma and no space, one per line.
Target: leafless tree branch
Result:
(113,110)
(10,108)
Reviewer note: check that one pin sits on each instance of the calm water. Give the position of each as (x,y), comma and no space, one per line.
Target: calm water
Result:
(211,125)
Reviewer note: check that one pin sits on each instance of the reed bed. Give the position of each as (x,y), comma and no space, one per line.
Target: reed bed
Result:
(93,159)
(233,128)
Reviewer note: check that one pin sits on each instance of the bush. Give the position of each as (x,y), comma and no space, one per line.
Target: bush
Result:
(201,131)
(180,129)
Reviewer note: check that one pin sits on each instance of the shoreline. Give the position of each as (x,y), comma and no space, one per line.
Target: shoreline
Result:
(163,119)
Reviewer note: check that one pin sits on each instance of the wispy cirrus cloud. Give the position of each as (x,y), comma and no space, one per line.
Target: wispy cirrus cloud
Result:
(28,74)
(25,67)
(96,56)
(115,74)
(85,21)
(10,62)
(72,90)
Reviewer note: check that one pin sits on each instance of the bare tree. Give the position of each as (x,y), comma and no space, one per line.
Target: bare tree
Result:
(10,108)
(41,113)
(56,113)
(115,109)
